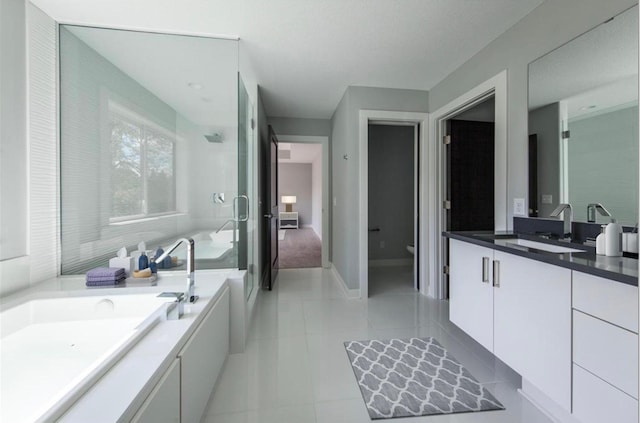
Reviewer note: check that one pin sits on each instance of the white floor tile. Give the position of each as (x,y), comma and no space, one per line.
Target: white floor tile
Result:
(298,414)
(295,367)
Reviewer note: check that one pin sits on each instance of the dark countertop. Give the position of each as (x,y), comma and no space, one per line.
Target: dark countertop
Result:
(620,269)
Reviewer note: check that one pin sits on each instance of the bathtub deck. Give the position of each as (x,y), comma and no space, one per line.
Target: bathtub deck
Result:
(43,362)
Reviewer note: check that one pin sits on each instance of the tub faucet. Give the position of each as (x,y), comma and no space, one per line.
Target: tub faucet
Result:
(191,252)
(567,214)
(225,224)
(591,212)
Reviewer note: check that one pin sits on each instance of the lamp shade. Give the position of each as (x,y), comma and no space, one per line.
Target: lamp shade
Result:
(288,199)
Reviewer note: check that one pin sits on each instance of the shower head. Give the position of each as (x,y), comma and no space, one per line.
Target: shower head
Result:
(215,137)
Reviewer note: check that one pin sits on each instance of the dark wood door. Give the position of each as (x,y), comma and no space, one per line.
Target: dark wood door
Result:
(533,175)
(272,215)
(471,176)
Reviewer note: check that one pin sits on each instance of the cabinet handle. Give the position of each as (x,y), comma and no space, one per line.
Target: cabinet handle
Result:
(485,269)
(496,273)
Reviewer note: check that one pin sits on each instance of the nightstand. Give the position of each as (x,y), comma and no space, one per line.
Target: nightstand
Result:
(288,220)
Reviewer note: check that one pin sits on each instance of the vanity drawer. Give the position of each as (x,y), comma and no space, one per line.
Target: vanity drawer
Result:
(596,401)
(607,351)
(608,300)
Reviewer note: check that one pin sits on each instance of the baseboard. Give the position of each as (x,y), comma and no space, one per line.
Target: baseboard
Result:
(348,292)
(391,262)
(548,407)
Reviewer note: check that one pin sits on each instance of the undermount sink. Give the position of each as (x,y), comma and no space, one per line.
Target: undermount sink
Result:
(550,248)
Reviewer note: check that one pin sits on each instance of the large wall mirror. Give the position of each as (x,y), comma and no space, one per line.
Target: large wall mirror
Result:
(583,123)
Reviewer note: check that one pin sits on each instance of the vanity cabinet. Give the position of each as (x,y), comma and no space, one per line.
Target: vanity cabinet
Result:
(517,308)
(202,358)
(163,403)
(471,290)
(532,323)
(605,350)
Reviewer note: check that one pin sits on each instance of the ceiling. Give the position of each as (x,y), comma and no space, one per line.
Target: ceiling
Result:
(306,53)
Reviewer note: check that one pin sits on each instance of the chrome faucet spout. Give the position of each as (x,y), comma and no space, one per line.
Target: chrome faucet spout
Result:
(567,214)
(191,264)
(225,224)
(591,212)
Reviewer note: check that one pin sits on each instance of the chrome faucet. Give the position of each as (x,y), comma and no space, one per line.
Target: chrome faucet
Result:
(591,212)
(567,214)
(191,252)
(225,224)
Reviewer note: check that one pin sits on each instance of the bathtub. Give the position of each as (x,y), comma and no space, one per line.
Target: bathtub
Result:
(53,350)
(211,247)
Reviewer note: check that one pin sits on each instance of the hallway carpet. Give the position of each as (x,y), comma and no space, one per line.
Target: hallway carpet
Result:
(300,248)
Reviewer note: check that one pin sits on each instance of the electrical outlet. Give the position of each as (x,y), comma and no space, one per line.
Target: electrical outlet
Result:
(518,207)
(381,244)
(547,199)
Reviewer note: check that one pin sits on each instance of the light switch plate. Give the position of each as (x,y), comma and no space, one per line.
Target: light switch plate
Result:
(518,207)
(547,199)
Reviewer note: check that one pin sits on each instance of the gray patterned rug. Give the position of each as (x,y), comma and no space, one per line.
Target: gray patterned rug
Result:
(414,377)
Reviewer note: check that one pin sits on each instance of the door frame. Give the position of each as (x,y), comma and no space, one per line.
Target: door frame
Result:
(421,246)
(324,142)
(496,86)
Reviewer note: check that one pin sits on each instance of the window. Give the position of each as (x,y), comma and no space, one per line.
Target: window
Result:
(142,166)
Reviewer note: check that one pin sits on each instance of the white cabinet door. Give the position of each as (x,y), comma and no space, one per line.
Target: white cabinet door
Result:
(532,323)
(611,301)
(596,401)
(470,290)
(202,358)
(607,351)
(163,403)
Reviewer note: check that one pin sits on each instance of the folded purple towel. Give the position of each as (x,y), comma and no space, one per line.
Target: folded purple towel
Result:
(101,272)
(105,283)
(105,278)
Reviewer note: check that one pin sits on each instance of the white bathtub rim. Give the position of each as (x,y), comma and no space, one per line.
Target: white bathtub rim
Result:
(73,286)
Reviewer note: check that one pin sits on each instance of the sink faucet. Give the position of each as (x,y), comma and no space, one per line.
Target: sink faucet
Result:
(191,252)
(591,212)
(567,214)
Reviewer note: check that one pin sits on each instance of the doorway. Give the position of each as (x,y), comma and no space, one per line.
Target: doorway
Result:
(300,196)
(469,172)
(496,88)
(392,184)
(422,233)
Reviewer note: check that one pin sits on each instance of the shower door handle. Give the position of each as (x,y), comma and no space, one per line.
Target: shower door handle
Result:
(236,200)
(268,216)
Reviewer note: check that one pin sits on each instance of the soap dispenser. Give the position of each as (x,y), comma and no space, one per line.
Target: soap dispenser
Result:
(613,237)
(143,261)
(601,242)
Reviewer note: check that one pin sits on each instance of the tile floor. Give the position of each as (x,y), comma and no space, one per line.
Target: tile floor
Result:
(295,368)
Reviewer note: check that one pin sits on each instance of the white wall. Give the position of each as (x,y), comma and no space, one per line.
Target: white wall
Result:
(547,27)
(316,195)
(296,179)
(13,130)
(28,140)
(346,173)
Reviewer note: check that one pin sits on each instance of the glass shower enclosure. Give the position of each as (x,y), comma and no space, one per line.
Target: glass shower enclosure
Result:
(154,140)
